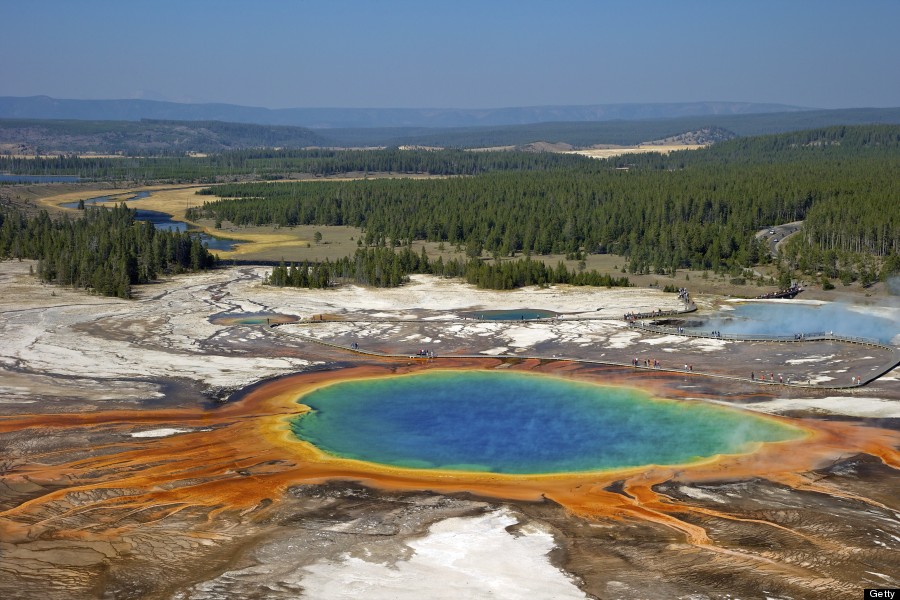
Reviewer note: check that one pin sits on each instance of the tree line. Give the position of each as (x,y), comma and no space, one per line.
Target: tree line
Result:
(389,267)
(105,250)
(695,209)
(279,164)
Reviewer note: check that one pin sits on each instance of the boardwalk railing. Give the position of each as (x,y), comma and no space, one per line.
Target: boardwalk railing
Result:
(739,337)
(689,307)
(894,363)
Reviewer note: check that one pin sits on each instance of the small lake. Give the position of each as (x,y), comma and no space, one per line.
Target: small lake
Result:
(7,178)
(515,314)
(520,423)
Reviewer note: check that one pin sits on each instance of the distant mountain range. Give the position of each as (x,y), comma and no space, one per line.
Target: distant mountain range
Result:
(43,125)
(583,134)
(44,107)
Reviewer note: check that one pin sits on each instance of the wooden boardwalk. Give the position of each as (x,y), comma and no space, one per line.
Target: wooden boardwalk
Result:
(893,363)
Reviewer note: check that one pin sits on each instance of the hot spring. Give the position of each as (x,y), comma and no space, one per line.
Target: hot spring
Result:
(517,423)
(254,318)
(790,317)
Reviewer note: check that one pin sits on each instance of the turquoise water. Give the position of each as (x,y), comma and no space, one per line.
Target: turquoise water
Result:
(254,318)
(515,314)
(519,423)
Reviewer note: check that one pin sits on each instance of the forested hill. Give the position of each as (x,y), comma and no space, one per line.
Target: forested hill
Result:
(623,132)
(30,137)
(800,146)
(43,107)
(166,137)
(279,164)
(687,209)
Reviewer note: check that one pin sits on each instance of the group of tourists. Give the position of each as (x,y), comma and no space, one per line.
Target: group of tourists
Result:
(771,377)
(854,380)
(632,317)
(785,293)
(646,363)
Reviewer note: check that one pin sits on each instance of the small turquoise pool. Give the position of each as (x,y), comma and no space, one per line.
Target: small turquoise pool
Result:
(257,318)
(507,422)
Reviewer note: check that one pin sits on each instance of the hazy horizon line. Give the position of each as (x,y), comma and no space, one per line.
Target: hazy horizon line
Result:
(448,107)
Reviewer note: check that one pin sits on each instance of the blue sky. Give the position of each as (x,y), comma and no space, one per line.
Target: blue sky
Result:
(454,53)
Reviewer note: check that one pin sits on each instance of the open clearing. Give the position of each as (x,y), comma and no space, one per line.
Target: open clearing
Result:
(610,152)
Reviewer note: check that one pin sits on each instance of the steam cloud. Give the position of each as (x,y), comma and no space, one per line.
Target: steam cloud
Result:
(787,318)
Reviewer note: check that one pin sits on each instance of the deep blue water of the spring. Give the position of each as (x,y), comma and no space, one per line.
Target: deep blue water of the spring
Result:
(517,423)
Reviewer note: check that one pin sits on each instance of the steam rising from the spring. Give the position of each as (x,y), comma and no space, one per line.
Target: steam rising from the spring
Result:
(788,317)
(893,287)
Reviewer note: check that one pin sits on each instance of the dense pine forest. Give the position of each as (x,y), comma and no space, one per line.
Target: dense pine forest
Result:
(697,209)
(387,267)
(278,164)
(692,209)
(105,250)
